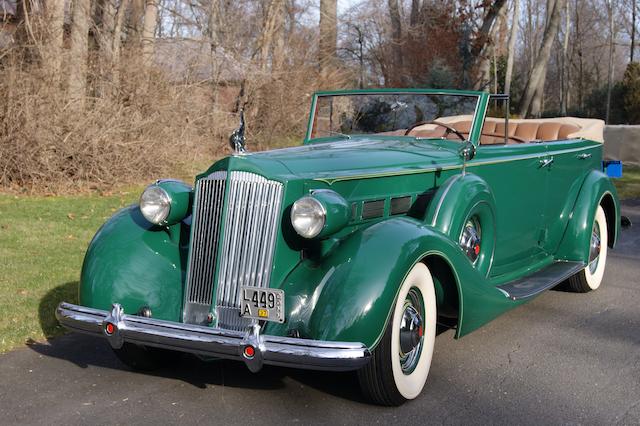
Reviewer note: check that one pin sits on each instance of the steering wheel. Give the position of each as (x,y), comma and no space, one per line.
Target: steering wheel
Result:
(450,129)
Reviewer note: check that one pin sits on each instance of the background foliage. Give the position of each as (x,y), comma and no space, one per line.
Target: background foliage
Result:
(101,93)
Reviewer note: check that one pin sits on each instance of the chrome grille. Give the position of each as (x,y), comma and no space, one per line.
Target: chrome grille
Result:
(204,246)
(241,249)
(250,229)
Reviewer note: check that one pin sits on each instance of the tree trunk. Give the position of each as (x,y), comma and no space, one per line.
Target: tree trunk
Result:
(328,35)
(52,53)
(272,31)
(611,52)
(578,44)
(280,38)
(536,78)
(564,74)
(633,29)
(149,30)
(414,18)
(135,20)
(537,104)
(78,53)
(103,17)
(480,57)
(213,24)
(396,44)
(116,44)
(513,35)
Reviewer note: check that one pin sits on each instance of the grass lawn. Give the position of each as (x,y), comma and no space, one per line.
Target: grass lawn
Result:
(42,244)
(629,185)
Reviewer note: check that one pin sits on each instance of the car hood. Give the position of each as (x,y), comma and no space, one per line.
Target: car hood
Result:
(343,158)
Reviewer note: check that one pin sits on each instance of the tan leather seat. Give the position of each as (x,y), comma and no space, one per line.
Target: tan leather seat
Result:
(527,131)
(548,131)
(494,129)
(512,128)
(462,126)
(566,130)
(489,127)
(438,132)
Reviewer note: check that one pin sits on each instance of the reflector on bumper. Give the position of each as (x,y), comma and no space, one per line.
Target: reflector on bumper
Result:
(274,350)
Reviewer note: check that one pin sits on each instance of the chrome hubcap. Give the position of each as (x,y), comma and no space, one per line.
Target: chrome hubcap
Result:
(594,248)
(471,239)
(411,331)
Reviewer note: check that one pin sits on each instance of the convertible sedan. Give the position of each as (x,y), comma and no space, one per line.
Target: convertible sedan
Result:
(403,212)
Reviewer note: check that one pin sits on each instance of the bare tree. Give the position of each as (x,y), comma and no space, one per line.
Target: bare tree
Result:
(611,52)
(564,72)
(149,30)
(633,29)
(78,53)
(116,42)
(52,53)
(271,37)
(415,13)
(328,34)
(480,53)
(513,35)
(134,26)
(539,68)
(396,43)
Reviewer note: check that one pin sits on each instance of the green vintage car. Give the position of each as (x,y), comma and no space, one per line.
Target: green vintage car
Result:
(402,213)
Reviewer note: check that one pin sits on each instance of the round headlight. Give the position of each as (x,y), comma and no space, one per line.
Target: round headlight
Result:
(155,204)
(308,217)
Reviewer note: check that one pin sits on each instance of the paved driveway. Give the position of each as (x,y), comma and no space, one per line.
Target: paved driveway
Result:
(563,358)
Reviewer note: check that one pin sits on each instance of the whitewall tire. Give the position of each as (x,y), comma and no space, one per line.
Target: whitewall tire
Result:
(590,278)
(400,363)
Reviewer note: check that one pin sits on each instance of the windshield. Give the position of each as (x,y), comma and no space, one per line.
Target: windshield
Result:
(391,114)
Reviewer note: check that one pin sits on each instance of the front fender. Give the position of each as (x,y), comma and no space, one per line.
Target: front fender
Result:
(135,264)
(348,295)
(596,189)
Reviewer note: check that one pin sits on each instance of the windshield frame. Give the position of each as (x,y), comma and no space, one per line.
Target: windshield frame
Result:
(476,126)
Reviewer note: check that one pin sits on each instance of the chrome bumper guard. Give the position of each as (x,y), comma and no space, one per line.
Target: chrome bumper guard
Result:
(118,328)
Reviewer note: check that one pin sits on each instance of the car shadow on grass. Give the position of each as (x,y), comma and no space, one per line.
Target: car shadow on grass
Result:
(87,351)
(67,292)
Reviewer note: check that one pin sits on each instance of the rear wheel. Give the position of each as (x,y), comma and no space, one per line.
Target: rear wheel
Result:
(590,278)
(400,363)
(145,358)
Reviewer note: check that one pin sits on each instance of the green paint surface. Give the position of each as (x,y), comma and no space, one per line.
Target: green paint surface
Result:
(342,286)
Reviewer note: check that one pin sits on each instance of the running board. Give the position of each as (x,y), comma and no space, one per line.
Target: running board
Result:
(540,281)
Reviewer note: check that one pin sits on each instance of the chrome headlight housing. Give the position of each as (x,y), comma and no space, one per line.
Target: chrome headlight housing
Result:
(155,204)
(166,202)
(320,214)
(308,217)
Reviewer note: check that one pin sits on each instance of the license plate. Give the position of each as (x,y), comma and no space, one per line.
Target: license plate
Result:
(262,303)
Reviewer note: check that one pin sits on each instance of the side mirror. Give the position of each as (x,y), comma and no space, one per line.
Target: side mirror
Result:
(468,151)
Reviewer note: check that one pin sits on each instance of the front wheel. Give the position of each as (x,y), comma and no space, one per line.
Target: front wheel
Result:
(400,363)
(590,277)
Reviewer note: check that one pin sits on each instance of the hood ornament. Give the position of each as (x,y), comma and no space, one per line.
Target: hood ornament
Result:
(237,140)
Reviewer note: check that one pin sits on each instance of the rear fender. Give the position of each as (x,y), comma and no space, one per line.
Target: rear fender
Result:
(597,189)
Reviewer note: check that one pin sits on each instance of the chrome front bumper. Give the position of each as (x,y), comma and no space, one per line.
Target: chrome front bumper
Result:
(273,350)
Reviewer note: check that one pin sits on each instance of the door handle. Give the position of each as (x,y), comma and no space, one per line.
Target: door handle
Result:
(545,162)
(584,156)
